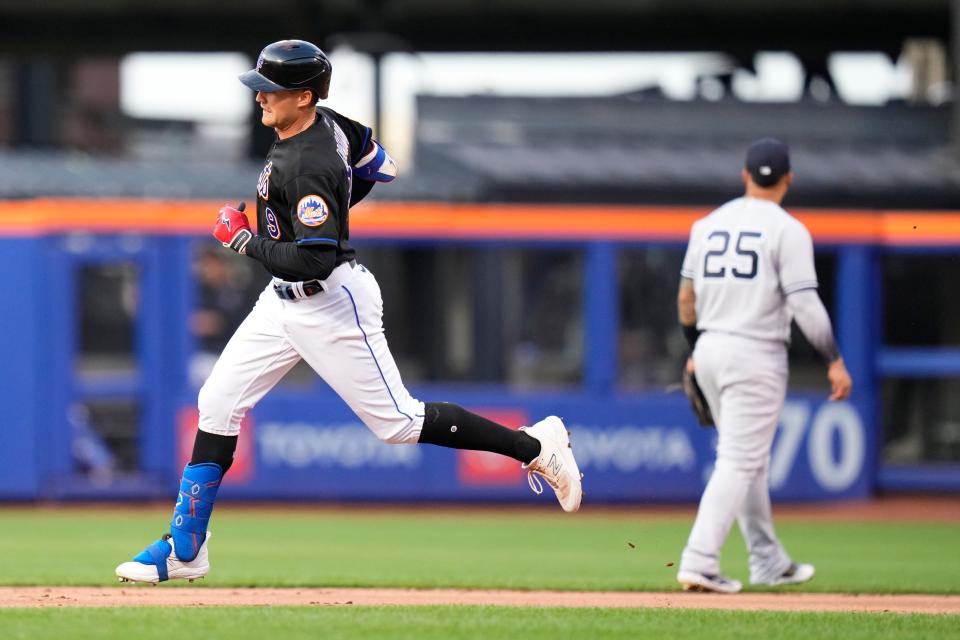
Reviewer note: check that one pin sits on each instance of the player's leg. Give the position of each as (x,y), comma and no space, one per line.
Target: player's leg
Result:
(700,560)
(768,558)
(545,452)
(449,425)
(339,334)
(698,564)
(769,562)
(739,394)
(351,354)
(254,360)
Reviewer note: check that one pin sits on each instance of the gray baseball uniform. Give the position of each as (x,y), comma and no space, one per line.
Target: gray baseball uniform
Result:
(745,259)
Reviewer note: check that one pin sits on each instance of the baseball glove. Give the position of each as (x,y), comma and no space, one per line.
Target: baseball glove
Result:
(698,402)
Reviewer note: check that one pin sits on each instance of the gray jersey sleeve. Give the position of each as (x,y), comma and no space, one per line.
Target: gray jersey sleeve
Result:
(811,316)
(795,257)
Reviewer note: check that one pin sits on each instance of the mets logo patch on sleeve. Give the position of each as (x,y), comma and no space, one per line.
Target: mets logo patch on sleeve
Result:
(312,210)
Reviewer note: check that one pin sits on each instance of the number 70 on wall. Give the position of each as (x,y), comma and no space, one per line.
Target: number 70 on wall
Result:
(835,444)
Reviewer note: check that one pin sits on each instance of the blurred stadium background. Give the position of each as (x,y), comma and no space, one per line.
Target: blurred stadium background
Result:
(553,156)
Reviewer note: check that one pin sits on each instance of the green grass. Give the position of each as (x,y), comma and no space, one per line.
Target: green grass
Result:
(512,549)
(449,623)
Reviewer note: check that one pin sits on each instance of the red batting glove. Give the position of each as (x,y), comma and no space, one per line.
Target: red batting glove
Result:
(232,228)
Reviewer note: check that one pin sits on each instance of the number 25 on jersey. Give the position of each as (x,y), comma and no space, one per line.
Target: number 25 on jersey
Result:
(718,258)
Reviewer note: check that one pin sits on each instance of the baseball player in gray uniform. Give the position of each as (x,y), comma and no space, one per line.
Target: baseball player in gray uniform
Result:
(323,307)
(747,272)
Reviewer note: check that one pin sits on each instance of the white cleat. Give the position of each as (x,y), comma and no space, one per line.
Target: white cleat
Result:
(795,574)
(176,569)
(693,581)
(555,464)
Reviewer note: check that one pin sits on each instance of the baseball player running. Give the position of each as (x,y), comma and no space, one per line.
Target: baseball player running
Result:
(322,306)
(748,270)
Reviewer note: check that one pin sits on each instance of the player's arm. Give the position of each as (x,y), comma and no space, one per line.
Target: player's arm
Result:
(306,262)
(811,316)
(361,189)
(311,204)
(313,255)
(686,298)
(687,312)
(798,279)
(372,163)
(375,165)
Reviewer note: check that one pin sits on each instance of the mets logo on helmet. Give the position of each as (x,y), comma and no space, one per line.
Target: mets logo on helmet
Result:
(312,210)
(259,62)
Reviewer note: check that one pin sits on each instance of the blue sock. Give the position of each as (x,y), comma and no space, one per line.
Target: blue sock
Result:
(198,490)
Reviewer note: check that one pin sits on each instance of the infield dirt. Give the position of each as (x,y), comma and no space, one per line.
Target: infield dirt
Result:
(147,596)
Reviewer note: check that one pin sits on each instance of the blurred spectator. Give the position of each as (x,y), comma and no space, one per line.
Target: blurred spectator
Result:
(651,348)
(550,348)
(91,455)
(226,290)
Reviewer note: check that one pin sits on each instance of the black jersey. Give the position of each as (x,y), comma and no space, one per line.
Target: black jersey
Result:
(303,194)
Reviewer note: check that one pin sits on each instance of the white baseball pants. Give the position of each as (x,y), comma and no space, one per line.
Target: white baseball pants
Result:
(339,333)
(745,383)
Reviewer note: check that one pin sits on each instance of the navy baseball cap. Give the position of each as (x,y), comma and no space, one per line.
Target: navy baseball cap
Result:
(768,160)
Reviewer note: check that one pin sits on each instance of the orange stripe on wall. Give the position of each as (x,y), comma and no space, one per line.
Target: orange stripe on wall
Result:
(422,220)
(910,227)
(36,217)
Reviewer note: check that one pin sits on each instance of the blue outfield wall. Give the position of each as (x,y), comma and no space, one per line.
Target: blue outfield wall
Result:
(633,448)
(630,449)
(21,354)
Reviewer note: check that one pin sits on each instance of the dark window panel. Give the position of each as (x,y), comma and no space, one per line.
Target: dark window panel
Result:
(920,420)
(920,303)
(108,299)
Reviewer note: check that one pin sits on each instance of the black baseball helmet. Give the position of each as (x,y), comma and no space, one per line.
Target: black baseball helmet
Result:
(290,64)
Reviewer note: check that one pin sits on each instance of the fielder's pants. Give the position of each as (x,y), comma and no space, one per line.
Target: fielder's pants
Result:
(745,384)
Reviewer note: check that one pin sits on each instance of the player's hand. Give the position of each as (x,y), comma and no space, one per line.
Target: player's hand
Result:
(232,228)
(840,382)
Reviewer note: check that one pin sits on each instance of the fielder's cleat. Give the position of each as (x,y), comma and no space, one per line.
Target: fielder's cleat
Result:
(703,583)
(795,574)
(159,562)
(555,464)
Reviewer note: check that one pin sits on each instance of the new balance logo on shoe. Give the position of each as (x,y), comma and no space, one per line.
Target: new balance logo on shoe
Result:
(554,465)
